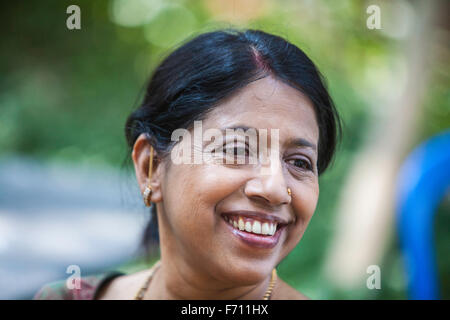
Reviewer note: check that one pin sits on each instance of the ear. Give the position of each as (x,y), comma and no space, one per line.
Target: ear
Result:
(141,159)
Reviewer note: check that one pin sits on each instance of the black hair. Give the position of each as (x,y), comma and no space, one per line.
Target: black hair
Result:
(205,70)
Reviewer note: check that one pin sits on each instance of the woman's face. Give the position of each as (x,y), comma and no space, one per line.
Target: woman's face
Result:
(198,199)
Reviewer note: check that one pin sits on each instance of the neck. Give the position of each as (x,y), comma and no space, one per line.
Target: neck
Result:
(169,283)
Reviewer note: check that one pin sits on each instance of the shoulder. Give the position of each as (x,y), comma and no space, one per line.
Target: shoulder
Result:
(124,287)
(87,289)
(284,291)
(127,286)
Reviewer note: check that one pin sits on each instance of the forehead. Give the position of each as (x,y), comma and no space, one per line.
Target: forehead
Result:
(270,104)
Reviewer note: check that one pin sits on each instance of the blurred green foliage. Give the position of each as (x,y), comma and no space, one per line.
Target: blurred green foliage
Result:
(65,95)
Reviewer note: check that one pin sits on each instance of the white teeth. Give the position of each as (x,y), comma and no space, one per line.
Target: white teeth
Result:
(241,224)
(265,228)
(256,227)
(253,226)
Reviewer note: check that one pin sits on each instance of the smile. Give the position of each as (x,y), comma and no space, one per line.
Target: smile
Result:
(253,229)
(252,225)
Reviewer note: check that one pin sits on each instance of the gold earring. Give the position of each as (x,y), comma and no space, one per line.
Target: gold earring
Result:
(148,189)
(289,191)
(146,196)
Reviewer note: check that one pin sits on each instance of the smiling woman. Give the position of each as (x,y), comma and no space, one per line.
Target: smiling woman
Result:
(224,226)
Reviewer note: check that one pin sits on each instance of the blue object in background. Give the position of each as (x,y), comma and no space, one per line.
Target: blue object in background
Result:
(423,181)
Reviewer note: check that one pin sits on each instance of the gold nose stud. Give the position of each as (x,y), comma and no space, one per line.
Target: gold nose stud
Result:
(289,191)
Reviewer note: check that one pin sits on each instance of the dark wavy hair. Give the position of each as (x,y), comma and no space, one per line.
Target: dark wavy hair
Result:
(205,70)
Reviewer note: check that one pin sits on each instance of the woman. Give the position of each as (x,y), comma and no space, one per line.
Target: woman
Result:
(225,222)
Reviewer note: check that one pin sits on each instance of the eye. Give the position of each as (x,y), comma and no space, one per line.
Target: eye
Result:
(236,151)
(301,164)
(235,154)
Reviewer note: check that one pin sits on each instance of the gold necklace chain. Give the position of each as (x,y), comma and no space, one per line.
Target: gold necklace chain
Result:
(140,294)
(273,281)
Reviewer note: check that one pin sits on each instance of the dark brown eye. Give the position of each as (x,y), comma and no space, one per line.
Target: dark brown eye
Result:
(236,154)
(237,151)
(301,163)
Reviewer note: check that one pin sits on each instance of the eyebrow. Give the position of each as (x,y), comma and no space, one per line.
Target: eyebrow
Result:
(245,128)
(299,142)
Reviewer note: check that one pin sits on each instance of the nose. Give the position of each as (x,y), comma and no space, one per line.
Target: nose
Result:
(269,185)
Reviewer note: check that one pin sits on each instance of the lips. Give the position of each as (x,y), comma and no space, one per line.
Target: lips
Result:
(255,228)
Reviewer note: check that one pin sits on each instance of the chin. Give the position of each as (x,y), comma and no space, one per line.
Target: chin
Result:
(247,273)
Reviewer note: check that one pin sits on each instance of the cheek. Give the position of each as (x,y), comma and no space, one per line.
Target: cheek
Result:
(304,202)
(194,192)
(184,196)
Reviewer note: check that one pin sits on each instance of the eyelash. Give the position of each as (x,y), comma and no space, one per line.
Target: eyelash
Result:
(247,152)
(306,165)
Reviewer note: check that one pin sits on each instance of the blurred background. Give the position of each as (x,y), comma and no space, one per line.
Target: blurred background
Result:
(68,194)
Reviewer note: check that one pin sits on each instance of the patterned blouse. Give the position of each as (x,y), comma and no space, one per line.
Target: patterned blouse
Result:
(89,289)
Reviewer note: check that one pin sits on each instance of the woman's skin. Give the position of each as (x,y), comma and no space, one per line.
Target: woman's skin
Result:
(201,257)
